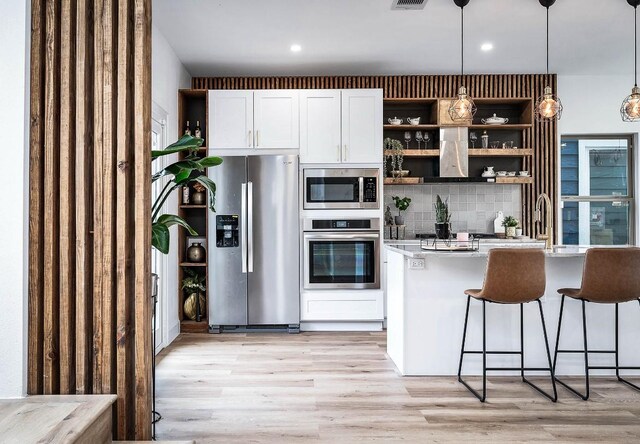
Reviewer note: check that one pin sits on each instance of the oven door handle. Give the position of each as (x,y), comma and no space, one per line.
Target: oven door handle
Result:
(342,236)
(361,189)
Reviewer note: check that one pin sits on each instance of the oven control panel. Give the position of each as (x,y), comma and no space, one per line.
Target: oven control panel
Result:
(341,224)
(370,192)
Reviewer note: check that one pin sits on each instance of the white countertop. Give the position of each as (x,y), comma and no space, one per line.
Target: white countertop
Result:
(413,250)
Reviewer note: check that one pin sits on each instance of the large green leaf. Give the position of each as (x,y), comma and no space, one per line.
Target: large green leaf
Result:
(185,143)
(160,237)
(210,161)
(170,220)
(211,187)
(183,170)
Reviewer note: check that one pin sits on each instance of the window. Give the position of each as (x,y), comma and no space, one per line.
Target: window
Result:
(597,190)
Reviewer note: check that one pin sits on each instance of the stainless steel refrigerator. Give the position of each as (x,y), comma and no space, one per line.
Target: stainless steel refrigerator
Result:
(254,246)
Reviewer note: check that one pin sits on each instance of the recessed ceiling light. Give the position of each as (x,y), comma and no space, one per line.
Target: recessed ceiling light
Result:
(486,47)
(296,48)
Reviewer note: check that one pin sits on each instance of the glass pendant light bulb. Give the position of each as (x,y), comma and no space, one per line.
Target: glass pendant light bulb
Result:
(548,105)
(464,108)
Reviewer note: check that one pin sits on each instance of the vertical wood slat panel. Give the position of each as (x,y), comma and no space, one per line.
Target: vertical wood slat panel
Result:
(124,220)
(36,200)
(67,198)
(142,217)
(541,137)
(84,197)
(51,200)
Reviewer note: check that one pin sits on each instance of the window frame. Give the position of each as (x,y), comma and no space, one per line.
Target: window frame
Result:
(628,199)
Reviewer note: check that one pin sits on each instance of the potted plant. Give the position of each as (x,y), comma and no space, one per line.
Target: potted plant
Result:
(401,204)
(443,218)
(510,224)
(194,285)
(189,171)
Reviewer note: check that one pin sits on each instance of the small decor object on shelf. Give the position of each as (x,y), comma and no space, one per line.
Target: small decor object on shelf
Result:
(419,138)
(187,130)
(198,130)
(199,196)
(394,121)
(402,203)
(485,140)
(196,253)
(473,137)
(407,138)
(185,195)
(443,218)
(413,121)
(510,224)
(195,286)
(388,218)
(494,120)
(397,155)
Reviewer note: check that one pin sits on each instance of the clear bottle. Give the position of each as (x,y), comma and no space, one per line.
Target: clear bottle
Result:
(485,139)
(198,131)
(187,130)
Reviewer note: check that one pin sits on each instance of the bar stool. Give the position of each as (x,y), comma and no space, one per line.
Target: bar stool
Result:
(609,276)
(513,276)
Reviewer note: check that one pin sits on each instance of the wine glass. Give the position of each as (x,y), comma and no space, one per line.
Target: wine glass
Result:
(419,138)
(426,139)
(473,137)
(407,137)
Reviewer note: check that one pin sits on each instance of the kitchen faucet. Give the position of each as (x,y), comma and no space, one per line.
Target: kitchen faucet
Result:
(547,236)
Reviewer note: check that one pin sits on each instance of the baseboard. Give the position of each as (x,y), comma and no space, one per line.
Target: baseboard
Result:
(341,326)
(173,333)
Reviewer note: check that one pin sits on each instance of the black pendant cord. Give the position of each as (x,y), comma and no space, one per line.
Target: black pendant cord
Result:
(547,40)
(462,42)
(635,46)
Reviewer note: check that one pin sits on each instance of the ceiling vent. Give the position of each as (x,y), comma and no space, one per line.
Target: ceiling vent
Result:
(408,4)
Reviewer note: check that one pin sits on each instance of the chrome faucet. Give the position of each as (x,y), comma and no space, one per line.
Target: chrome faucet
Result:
(548,234)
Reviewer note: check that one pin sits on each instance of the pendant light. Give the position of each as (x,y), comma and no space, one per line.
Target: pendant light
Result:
(548,106)
(463,108)
(630,109)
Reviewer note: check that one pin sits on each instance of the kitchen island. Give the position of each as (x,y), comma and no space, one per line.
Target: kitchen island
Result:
(426,307)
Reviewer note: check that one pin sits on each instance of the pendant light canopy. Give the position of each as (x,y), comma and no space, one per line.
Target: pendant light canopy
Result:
(463,108)
(630,109)
(548,106)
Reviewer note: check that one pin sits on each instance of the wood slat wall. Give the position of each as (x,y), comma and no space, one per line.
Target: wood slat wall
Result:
(89,222)
(543,138)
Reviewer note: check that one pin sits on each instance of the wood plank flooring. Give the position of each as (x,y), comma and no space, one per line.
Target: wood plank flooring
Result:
(342,388)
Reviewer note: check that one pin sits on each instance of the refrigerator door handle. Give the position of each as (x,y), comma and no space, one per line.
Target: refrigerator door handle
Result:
(250,227)
(243,227)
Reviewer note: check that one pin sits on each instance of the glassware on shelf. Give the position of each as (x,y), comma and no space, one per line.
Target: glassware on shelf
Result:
(473,137)
(485,140)
(419,138)
(426,139)
(407,137)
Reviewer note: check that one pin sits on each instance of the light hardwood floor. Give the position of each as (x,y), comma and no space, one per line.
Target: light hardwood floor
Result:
(342,388)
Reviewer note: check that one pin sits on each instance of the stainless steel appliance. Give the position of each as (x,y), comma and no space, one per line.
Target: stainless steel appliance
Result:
(255,261)
(341,188)
(341,253)
(454,152)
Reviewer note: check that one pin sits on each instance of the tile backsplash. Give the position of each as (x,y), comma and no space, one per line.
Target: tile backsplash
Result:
(473,206)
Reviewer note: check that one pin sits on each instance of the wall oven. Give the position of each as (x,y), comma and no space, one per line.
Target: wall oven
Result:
(341,254)
(341,188)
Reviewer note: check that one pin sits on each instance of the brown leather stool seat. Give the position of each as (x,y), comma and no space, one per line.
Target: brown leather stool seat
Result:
(513,276)
(609,276)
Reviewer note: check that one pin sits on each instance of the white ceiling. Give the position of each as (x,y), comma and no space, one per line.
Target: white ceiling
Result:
(345,37)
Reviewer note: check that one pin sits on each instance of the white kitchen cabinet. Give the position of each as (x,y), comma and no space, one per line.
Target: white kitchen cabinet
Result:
(276,119)
(362,125)
(342,306)
(320,126)
(231,119)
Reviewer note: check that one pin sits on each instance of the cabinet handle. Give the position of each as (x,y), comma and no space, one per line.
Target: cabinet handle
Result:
(250,140)
(257,138)
(338,158)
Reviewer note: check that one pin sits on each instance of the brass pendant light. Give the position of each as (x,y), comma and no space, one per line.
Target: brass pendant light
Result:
(548,106)
(463,108)
(630,109)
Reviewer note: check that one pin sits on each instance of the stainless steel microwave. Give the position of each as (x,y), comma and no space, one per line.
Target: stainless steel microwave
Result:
(341,188)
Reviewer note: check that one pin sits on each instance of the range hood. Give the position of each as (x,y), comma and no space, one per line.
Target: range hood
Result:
(454,152)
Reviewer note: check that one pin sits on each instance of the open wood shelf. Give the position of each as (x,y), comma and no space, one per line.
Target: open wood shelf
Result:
(499,152)
(408,127)
(193,264)
(189,207)
(416,153)
(514,179)
(410,101)
(403,180)
(506,126)
(189,326)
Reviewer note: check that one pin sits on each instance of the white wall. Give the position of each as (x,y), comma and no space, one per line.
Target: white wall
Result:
(14,196)
(592,106)
(168,75)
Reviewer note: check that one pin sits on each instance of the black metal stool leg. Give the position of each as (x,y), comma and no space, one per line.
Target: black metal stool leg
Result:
(480,397)
(586,354)
(522,343)
(620,378)
(464,338)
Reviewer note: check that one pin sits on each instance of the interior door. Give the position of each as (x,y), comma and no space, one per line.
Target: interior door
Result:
(277,119)
(362,125)
(274,243)
(320,126)
(159,264)
(231,119)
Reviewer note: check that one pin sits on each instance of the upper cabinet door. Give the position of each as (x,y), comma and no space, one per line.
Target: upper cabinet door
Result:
(320,126)
(231,119)
(276,119)
(362,125)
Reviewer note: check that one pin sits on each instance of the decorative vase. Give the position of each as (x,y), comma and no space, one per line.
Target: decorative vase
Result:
(196,253)
(399,220)
(443,230)
(190,309)
(518,232)
(198,197)
(511,231)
